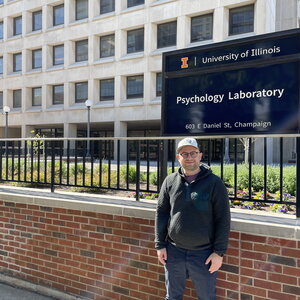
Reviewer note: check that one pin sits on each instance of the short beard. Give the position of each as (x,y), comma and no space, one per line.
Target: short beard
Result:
(190,167)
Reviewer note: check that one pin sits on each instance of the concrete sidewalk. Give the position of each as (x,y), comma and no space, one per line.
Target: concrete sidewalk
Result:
(8,292)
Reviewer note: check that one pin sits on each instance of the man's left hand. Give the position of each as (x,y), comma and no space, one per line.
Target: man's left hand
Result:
(216,262)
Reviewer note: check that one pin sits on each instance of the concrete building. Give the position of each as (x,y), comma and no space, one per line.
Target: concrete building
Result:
(55,54)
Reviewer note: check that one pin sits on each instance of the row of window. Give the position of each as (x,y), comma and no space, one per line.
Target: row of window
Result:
(201,29)
(134,90)
(81,12)
(241,20)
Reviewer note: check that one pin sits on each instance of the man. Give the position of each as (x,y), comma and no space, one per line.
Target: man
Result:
(192,225)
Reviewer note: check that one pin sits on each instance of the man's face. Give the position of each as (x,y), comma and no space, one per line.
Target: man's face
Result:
(186,160)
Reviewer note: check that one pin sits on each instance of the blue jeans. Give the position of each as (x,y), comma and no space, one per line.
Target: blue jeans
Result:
(182,264)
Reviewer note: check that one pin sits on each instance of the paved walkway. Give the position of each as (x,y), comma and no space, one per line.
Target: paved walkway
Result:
(8,292)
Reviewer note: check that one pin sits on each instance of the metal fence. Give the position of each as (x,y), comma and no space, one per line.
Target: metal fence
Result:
(139,165)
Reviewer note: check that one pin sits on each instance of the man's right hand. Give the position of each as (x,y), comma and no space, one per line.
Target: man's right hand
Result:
(162,255)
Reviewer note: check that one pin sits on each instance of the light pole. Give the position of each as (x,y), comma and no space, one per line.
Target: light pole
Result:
(6,110)
(88,104)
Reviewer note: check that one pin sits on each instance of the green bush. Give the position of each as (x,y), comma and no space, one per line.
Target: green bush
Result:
(153,176)
(131,174)
(257,179)
(228,172)
(289,180)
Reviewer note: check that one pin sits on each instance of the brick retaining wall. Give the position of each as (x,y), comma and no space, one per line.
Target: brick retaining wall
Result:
(106,252)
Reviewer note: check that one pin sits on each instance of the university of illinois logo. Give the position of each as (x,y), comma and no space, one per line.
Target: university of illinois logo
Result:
(184,62)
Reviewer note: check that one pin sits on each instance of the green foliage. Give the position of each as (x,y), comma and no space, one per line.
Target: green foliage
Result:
(289,180)
(153,176)
(131,174)
(257,179)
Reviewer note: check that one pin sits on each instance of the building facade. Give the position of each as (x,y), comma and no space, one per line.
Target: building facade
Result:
(54,55)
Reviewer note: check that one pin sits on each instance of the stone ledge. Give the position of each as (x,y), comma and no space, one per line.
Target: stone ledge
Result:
(247,222)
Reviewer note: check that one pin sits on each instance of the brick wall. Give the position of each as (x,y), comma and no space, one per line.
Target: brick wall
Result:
(101,255)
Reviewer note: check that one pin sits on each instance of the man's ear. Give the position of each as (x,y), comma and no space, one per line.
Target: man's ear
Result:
(177,156)
(200,154)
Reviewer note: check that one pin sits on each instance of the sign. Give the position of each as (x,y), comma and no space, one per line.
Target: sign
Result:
(244,87)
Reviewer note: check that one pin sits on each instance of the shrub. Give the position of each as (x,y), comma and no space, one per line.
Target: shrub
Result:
(289,180)
(153,176)
(257,179)
(131,174)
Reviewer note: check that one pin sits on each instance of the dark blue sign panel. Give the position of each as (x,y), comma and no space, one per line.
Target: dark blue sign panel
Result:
(259,100)
(260,97)
(248,51)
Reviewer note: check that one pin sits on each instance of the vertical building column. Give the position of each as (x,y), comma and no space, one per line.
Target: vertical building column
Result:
(119,6)
(68,58)
(120,130)
(220,24)
(44,97)
(66,95)
(47,17)
(44,57)
(26,22)
(259,150)
(69,17)
(70,130)
(118,91)
(94,53)
(118,43)
(181,31)
(26,133)
(26,61)
(147,87)
(5,28)
(265,22)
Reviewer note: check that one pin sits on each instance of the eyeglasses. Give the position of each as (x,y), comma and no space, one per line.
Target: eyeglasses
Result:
(192,154)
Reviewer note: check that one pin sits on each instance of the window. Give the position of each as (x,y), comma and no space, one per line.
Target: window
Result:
(37,96)
(241,20)
(1,100)
(1,2)
(81,92)
(1,65)
(1,30)
(135,87)
(37,59)
(17,62)
(17,98)
(37,20)
(58,94)
(107,89)
(201,28)
(166,34)
(135,40)
(58,15)
(81,8)
(58,55)
(18,25)
(81,50)
(131,3)
(107,45)
(158,84)
(107,6)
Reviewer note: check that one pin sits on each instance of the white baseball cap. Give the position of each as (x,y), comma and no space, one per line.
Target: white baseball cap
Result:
(187,142)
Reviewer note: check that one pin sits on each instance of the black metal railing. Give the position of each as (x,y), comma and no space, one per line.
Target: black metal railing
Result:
(140,165)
